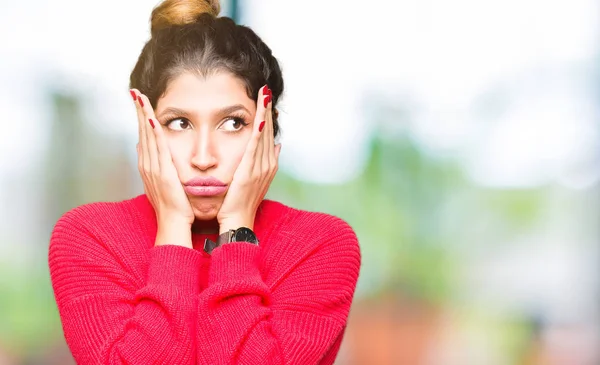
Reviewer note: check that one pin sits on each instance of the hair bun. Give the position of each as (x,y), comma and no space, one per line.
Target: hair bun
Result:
(180,12)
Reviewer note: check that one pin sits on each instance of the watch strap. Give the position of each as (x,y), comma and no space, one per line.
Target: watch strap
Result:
(227,237)
(209,245)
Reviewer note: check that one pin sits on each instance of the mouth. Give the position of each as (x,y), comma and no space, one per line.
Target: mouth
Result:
(205,190)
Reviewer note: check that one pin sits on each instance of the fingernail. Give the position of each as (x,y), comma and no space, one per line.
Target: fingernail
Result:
(266,90)
(140,101)
(132,94)
(151,122)
(261,126)
(267,100)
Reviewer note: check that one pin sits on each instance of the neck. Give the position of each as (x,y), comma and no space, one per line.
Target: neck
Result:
(205,227)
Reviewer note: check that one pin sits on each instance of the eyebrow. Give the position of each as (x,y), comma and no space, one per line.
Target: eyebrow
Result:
(186,114)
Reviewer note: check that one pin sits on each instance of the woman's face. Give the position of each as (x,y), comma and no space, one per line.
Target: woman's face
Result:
(203,120)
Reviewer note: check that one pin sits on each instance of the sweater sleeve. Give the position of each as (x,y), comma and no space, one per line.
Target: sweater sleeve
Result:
(299,319)
(111,316)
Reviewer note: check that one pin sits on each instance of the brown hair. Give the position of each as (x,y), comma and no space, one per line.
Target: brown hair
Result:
(188,36)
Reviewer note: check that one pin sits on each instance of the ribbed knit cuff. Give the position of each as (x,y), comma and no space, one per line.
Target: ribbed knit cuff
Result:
(233,262)
(176,266)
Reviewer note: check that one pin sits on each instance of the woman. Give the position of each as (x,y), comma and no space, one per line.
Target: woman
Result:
(200,269)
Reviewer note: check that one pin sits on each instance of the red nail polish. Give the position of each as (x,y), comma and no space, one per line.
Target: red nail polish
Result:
(151,123)
(267,100)
(140,100)
(132,94)
(266,90)
(261,126)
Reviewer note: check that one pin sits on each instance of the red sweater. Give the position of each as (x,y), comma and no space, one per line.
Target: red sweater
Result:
(123,301)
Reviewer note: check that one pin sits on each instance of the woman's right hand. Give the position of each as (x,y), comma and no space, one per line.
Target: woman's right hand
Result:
(161,182)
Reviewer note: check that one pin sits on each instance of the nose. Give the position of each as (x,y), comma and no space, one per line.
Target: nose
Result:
(204,156)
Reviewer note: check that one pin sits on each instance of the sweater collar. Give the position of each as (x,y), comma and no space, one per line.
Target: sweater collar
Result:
(143,203)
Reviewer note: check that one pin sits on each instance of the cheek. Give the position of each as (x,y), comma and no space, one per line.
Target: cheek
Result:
(179,154)
(231,154)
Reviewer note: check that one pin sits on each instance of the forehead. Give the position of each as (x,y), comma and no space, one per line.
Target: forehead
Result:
(191,91)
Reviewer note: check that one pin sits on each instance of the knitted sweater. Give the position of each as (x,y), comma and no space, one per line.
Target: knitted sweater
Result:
(124,301)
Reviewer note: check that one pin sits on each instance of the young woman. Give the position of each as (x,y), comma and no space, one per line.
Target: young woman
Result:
(201,269)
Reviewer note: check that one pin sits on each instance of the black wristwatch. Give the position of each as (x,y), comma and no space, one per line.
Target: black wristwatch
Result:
(242,234)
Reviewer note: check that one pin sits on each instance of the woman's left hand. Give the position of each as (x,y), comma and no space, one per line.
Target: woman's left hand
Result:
(255,172)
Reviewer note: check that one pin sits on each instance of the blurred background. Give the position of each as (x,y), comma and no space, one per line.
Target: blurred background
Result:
(460,139)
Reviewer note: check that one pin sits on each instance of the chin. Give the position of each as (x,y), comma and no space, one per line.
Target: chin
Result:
(206,209)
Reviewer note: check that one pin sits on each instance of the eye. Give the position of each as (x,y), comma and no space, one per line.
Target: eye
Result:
(177,124)
(233,124)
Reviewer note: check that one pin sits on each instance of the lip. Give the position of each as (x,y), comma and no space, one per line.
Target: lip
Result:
(204,181)
(206,190)
(204,186)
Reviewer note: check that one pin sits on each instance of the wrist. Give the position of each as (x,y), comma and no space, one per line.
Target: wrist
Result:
(174,232)
(235,223)
(174,218)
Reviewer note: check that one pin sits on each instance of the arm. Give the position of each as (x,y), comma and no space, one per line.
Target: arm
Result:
(300,319)
(112,316)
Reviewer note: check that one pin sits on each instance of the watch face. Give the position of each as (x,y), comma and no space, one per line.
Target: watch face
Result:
(244,234)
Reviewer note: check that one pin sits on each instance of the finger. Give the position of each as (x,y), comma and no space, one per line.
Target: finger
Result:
(263,130)
(165,160)
(148,193)
(276,151)
(250,154)
(142,149)
(143,163)
(259,119)
(138,149)
(268,146)
(272,171)
(150,124)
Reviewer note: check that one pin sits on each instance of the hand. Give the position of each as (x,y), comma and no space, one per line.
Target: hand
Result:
(161,182)
(255,172)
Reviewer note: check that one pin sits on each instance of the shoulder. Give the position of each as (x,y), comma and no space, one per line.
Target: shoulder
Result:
(308,232)
(96,215)
(96,220)
(319,224)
